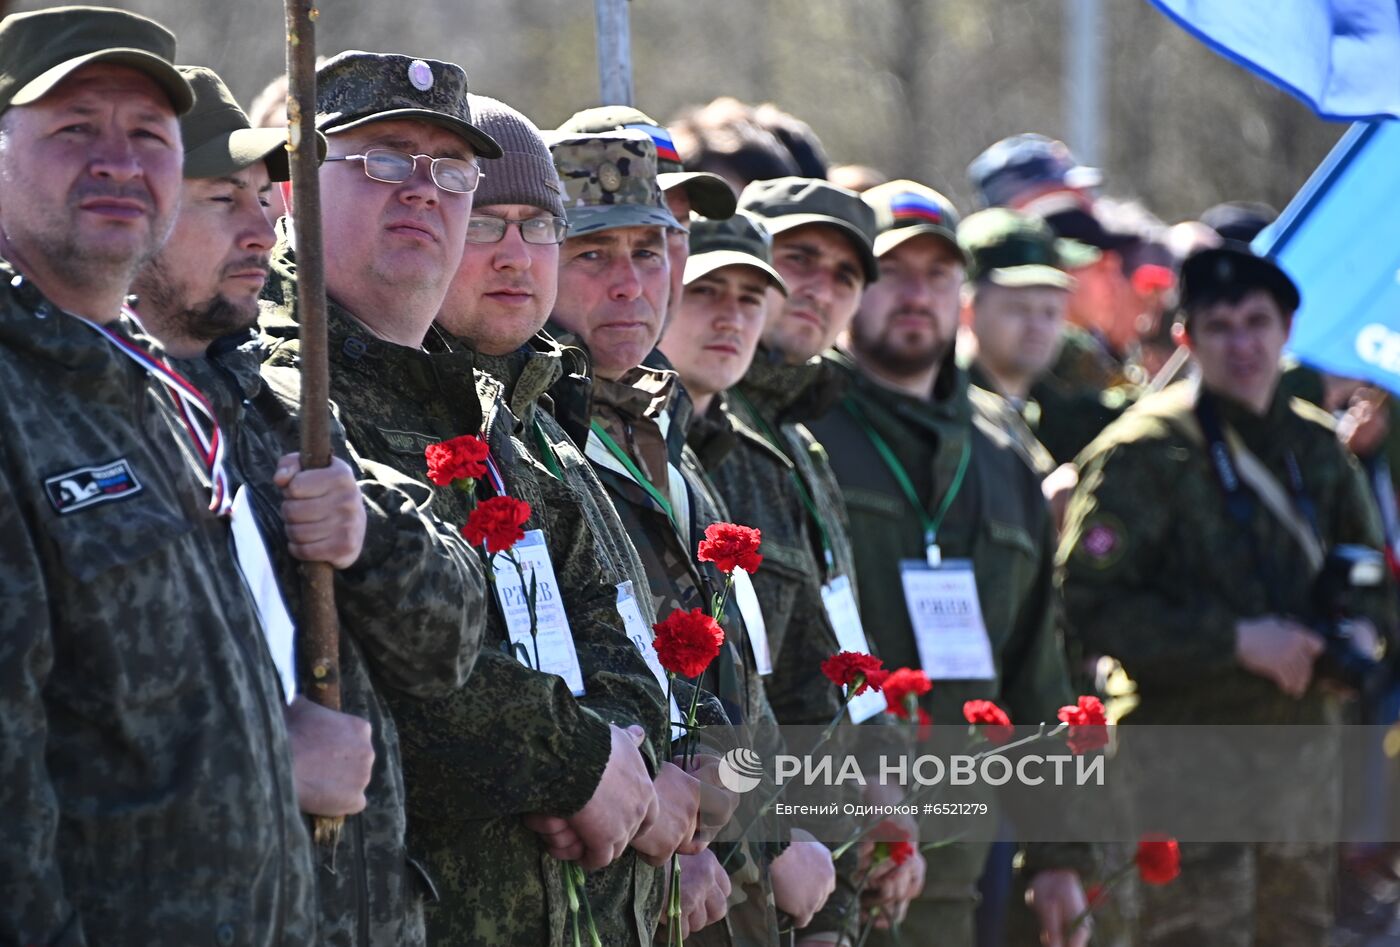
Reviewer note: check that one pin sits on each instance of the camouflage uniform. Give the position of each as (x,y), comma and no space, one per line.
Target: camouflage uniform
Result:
(423,647)
(148,784)
(1156,573)
(999,521)
(466,795)
(1084,391)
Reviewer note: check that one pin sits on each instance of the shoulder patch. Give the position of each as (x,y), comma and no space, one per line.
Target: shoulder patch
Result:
(1101,542)
(83,487)
(408,443)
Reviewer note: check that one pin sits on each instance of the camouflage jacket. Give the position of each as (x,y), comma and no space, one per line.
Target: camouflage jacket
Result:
(1084,391)
(148,788)
(1155,572)
(466,795)
(423,647)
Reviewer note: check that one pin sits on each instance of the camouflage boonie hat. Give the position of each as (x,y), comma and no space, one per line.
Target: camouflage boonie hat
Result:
(786,203)
(741,240)
(355,88)
(217,136)
(710,195)
(1013,249)
(906,209)
(609,181)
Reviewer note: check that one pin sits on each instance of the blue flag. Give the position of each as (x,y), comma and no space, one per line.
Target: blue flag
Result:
(1339,239)
(1342,57)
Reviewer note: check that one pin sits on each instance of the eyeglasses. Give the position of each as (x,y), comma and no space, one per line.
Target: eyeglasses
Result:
(541,230)
(457,175)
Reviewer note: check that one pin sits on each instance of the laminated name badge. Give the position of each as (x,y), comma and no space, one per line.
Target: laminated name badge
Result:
(747,600)
(554,643)
(642,638)
(261,581)
(947,618)
(840,602)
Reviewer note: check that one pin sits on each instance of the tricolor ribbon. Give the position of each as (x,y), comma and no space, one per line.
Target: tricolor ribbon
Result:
(493,473)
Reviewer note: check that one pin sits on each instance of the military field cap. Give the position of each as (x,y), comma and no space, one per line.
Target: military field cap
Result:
(710,195)
(355,88)
(906,209)
(785,203)
(39,50)
(739,240)
(524,174)
(1233,264)
(1021,162)
(1013,249)
(609,181)
(218,139)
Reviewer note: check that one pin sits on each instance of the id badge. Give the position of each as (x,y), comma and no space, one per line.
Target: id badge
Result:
(642,639)
(947,618)
(747,600)
(261,581)
(840,602)
(555,640)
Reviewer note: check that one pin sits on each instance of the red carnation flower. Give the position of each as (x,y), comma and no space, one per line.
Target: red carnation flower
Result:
(853,669)
(1158,858)
(730,546)
(1088,725)
(1095,894)
(892,842)
(995,724)
(903,688)
(461,458)
(496,522)
(686,642)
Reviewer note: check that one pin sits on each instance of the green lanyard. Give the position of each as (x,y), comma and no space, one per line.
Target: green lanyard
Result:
(772,437)
(906,486)
(547,449)
(661,499)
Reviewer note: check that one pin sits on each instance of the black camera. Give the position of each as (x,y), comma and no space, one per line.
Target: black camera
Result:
(1347,661)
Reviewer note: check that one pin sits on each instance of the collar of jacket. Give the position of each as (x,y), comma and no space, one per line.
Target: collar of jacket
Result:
(948,410)
(1264,434)
(526,376)
(241,355)
(644,395)
(786,393)
(712,435)
(31,324)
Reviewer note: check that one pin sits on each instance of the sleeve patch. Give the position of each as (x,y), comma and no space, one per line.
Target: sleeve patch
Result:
(1101,543)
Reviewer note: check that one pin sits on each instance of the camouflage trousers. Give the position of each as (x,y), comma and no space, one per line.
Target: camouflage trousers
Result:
(1236,895)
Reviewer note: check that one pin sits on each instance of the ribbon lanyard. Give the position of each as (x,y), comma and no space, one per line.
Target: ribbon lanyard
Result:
(1237,499)
(771,437)
(190,401)
(661,499)
(546,448)
(932,523)
(493,473)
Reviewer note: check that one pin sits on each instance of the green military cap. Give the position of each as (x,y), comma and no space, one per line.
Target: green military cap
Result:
(710,195)
(1013,249)
(609,181)
(785,203)
(906,209)
(39,50)
(740,240)
(355,88)
(218,139)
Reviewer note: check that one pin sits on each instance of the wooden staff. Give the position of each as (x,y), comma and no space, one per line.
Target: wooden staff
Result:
(614,51)
(320,631)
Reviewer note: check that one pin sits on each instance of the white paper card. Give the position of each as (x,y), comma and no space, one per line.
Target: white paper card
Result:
(642,637)
(840,602)
(261,581)
(947,618)
(554,641)
(747,600)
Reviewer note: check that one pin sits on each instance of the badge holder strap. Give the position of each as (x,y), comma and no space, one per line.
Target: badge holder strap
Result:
(656,495)
(546,449)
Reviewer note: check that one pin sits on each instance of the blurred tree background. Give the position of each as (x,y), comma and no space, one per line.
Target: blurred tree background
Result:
(914,87)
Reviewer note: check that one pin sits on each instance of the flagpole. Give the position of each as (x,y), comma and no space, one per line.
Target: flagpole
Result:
(320,633)
(614,51)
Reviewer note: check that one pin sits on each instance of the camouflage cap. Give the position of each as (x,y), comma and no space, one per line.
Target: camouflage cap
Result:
(710,195)
(740,240)
(1012,249)
(785,203)
(906,209)
(355,88)
(609,181)
(218,139)
(39,50)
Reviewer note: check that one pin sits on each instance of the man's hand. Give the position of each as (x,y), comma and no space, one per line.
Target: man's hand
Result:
(1057,487)
(678,808)
(891,887)
(717,804)
(332,757)
(323,510)
(1057,898)
(622,807)
(1363,427)
(803,878)
(1279,649)
(704,892)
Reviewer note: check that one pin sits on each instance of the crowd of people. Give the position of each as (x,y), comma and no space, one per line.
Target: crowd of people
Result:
(1054,412)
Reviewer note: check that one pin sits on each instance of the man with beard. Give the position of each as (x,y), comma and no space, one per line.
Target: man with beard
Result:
(199,296)
(148,793)
(927,479)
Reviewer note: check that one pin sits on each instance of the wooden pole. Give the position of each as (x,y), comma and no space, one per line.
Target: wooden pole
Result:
(614,51)
(320,631)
